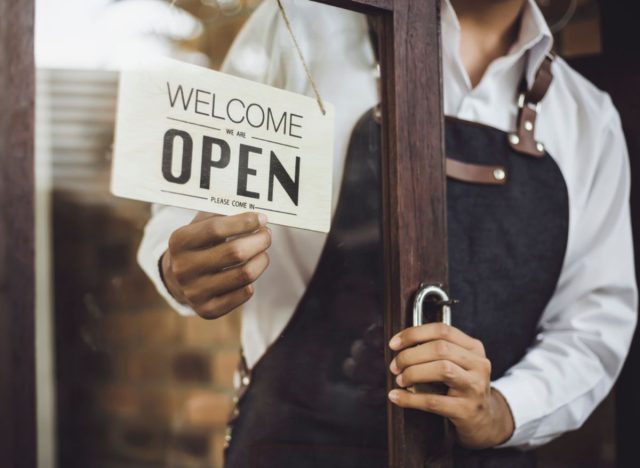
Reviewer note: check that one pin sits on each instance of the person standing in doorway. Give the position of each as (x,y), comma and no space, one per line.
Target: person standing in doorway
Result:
(540,252)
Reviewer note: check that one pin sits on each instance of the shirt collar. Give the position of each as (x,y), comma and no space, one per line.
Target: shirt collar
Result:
(535,39)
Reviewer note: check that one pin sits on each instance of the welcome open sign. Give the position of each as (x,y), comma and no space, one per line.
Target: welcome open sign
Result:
(196,138)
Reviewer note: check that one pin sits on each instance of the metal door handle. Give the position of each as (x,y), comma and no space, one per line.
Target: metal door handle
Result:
(442,299)
(425,291)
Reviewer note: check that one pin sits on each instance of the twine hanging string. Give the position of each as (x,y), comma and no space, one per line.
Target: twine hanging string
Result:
(283,13)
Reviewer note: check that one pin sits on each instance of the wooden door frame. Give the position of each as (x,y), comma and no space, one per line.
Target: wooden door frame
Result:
(413,187)
(17,286)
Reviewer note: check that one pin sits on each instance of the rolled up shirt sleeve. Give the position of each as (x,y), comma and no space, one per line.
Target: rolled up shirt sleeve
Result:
(586,329)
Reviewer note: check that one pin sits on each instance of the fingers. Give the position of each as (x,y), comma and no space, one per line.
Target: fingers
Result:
(220,305)
(435,331)
(192,264)
(371,374)
(447,372)
(207,230)
(447,406)
(438,350)
(440,353)
(212,262)
(442,361)
(202,215)
(204,287)
(365,364)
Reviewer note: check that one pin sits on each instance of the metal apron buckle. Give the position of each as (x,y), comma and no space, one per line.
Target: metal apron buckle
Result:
(244,379)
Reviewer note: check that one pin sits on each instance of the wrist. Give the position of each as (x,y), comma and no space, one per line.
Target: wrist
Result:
(503,419)
(493,427)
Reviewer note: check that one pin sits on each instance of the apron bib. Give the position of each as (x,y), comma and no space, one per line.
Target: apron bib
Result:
(307,403)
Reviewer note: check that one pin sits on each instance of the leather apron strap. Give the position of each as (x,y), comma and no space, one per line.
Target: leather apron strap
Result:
(523,139)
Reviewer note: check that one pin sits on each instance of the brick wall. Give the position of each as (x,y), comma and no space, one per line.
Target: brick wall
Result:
(137,384)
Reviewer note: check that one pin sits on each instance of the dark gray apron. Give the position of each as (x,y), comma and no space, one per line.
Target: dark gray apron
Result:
(316,398)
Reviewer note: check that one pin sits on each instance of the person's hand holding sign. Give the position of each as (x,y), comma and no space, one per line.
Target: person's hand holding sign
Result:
(437,352)
(211,263)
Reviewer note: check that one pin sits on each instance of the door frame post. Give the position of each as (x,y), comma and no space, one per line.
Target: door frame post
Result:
(17,286)
(414,193)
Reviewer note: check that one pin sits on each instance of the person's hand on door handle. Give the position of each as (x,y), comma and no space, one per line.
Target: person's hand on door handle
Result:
(441,353)
(211,263)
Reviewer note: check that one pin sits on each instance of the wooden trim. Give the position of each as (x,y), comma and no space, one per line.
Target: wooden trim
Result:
(414,207)
(414,198)
(17,346)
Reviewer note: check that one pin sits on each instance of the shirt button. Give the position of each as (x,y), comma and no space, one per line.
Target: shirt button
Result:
(246,380)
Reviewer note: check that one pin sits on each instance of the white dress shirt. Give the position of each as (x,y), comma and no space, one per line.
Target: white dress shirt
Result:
(586,329)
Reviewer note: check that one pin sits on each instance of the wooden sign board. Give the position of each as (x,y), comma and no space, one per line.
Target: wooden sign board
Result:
(196,138)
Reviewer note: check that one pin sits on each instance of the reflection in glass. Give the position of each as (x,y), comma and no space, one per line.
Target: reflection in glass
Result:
(123,380)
